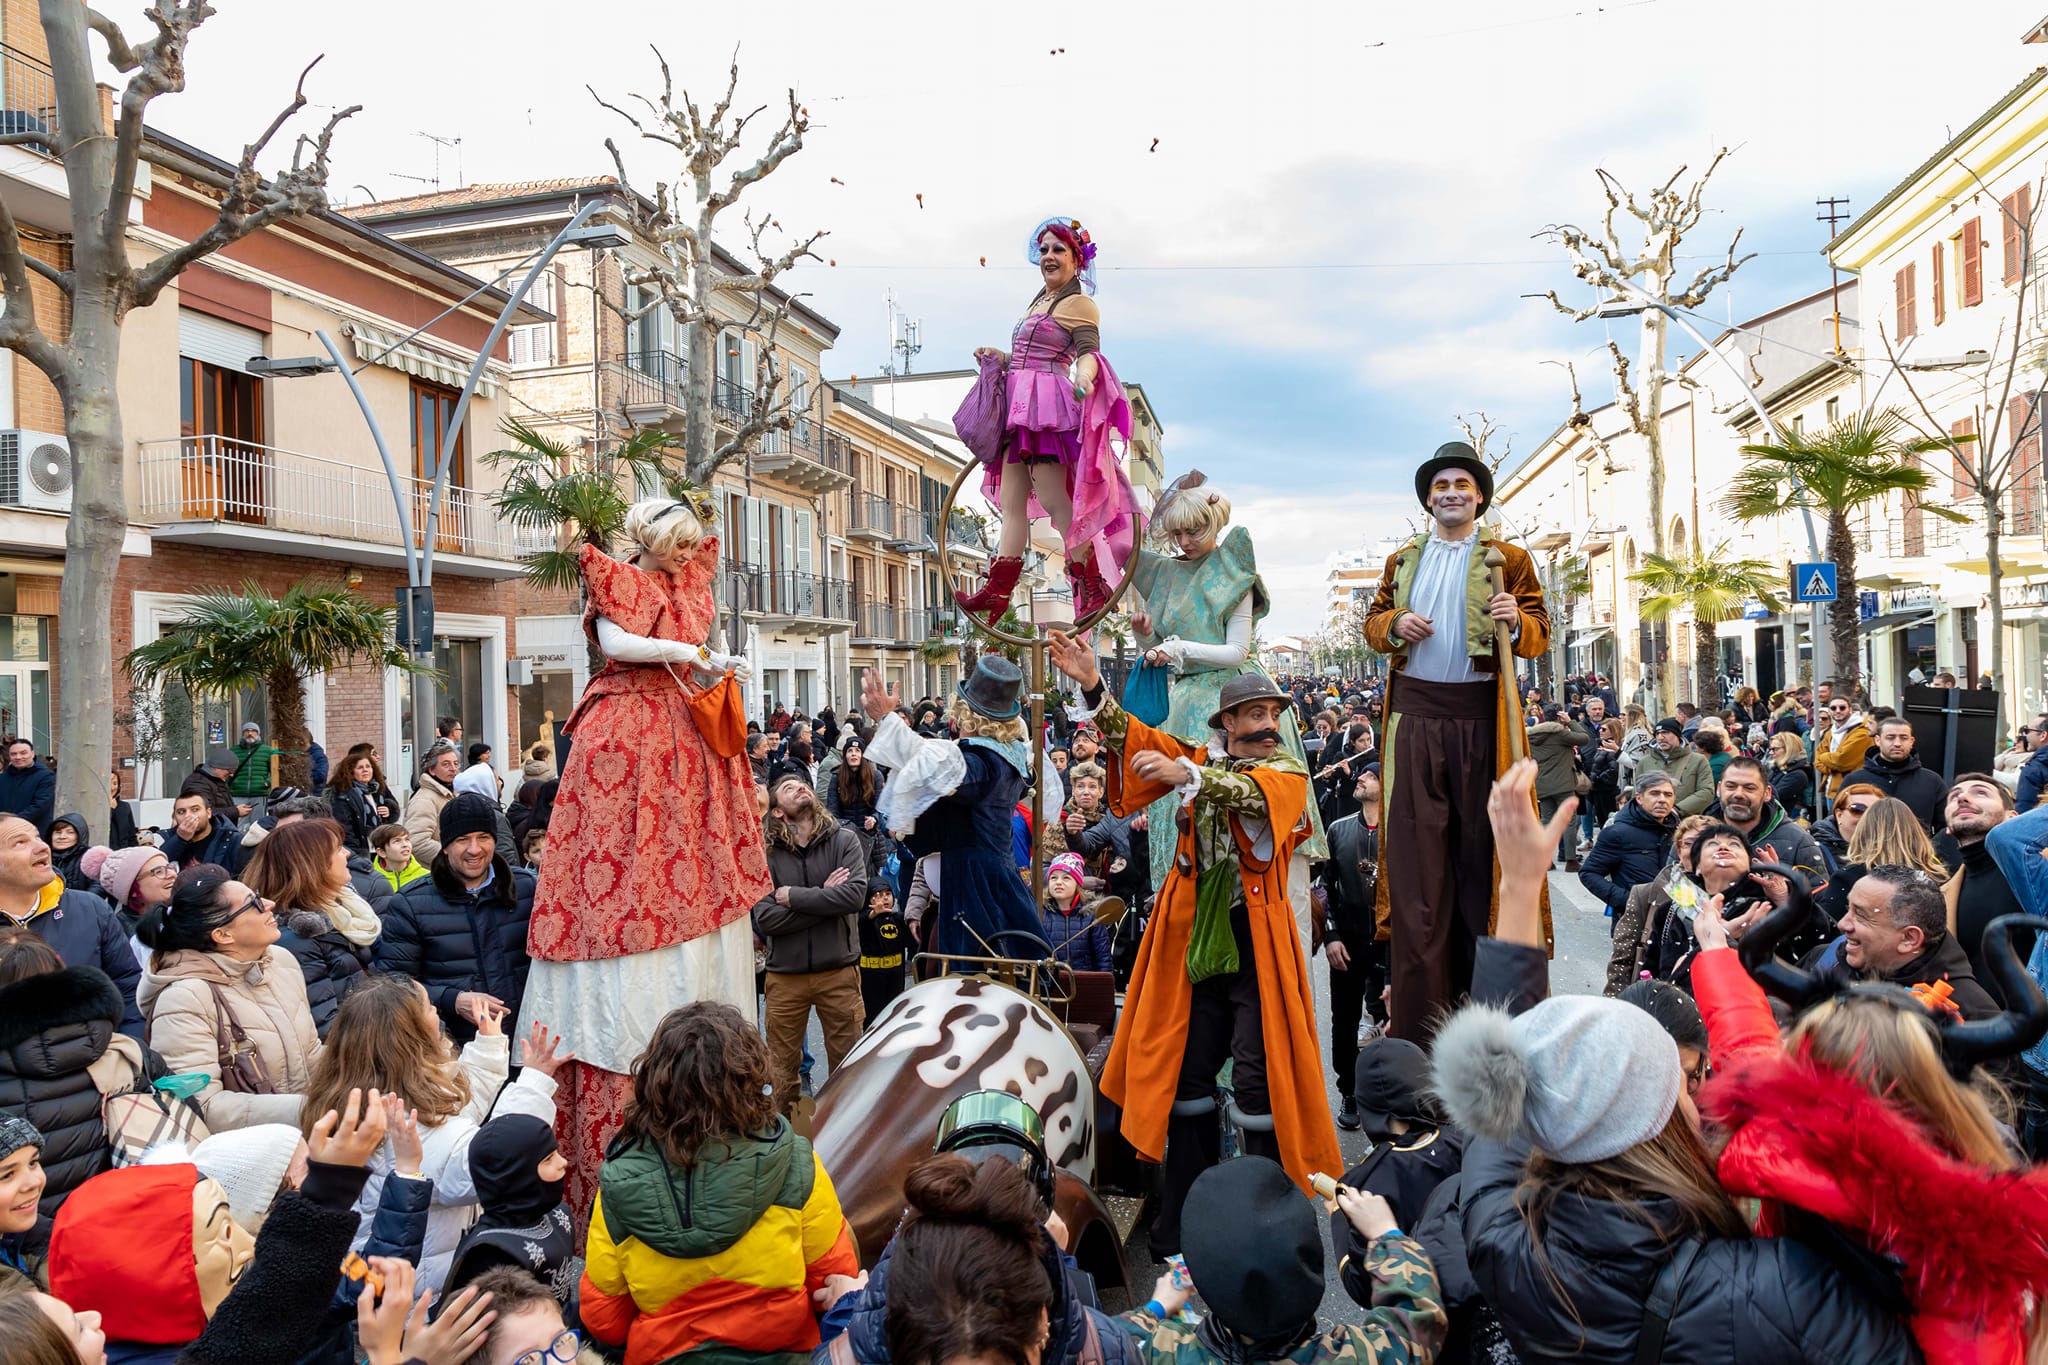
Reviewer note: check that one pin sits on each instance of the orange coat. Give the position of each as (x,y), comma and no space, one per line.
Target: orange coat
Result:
(1143,1071)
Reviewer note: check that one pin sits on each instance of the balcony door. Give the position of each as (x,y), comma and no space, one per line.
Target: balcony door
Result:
(224,465)
(432,407)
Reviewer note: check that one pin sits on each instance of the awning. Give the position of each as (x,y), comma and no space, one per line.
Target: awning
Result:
(1897,620)
(1587,637)
(415,358)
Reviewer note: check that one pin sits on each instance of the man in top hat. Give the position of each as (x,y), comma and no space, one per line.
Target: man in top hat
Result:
(950,802)
(1450,701)
(1221,974)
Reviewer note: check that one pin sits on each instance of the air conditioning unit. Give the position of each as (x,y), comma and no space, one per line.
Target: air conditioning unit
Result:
(35,470)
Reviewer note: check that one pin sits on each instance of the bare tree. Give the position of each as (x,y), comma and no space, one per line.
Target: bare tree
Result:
(101,285)
(1994,441)
(1480,430)
(1604,262)
(701,295)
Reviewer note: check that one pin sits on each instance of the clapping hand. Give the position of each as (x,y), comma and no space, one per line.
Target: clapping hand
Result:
(537,1050)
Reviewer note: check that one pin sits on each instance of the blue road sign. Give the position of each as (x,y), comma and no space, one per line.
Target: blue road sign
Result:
(1813,582)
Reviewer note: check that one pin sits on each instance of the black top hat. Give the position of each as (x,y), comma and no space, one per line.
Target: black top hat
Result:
(1241,689)
(1455,455)
(995,689)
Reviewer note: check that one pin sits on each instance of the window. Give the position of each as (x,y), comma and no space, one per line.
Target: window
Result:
(1834,410)
(1970,284)
(534,343)
(1938,293)
(2023,503)
(800,402)
(1903,298)
(220,415)
(433,406)
(2016,212)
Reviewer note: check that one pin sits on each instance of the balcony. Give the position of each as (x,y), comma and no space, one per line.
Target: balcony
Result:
(792,601)
(651,388)
(884,623)
(213,490)
(873,517)
(653,392)
(28,94)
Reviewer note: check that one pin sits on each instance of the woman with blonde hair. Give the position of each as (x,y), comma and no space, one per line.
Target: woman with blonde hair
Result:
(1838,827)
(1886,834)
(302,868)
(1791,774)
(1201,599)
(655,857)
(1867,1117)
(387,1036)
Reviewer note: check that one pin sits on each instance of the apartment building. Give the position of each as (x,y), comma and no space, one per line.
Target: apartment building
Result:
(590,375)
(236,476)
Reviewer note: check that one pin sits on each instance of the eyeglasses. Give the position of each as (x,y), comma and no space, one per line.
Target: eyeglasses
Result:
(562,1349)
(253,906)
(1697,1077)
(168,871)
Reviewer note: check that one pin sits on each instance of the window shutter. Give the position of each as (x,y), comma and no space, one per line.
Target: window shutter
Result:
(1961,466)
(2023,499)
(228,345)
(803,542)
(1902,292)
(1938,279)
(2017,208)
(1972,282)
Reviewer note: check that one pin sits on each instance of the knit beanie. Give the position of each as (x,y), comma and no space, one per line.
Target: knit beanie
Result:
(16,1134)
(220,756)
(1069,863)
(119,869)
(1253,1248)
(249,1163)
(468,813)
(93,860)
(1584,1078)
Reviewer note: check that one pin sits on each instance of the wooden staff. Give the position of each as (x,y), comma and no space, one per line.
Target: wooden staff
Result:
(1504,655)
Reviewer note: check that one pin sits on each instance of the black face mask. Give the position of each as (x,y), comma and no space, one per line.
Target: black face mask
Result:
(504,1158)
(1257,737)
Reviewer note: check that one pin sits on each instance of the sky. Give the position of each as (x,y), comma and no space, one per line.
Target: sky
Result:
(1318,222)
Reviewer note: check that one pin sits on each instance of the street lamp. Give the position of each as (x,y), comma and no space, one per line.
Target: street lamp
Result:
(1635,299)
(416,599)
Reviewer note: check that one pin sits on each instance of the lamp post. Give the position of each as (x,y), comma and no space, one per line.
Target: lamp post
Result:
(416,599)
(1636,301)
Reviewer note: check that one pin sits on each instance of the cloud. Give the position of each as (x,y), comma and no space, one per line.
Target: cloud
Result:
(1296,535)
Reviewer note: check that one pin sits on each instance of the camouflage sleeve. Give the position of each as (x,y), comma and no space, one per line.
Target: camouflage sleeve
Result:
(1162,1341)
(1406,1323)
(1111,720)
(1233,792)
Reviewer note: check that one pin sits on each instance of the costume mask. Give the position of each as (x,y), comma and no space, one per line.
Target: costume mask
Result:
(221,1247)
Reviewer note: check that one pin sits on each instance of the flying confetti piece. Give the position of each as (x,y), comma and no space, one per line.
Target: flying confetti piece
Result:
(837,181)
(1155,145)
(984,260)
(832,262)
(1054,51)
(920,201)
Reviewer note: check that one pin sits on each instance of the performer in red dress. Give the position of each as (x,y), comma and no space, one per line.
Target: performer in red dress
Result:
(655,855)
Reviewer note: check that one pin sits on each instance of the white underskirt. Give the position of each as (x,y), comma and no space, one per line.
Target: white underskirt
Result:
(606,1011)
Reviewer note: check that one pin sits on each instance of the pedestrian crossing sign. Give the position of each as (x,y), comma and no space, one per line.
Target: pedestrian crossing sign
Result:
(1813,582)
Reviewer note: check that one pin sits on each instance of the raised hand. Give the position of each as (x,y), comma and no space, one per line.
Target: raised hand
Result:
(876,697)
(351,1137)
(456,1335)
(1075,658)
(402,1125)
(380,1317)
(537,1050)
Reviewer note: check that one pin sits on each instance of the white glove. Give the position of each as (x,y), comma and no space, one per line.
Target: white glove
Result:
(714,662)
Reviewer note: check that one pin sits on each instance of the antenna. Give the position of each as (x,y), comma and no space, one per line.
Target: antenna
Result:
(453,144)
(906,339)
(1834,209)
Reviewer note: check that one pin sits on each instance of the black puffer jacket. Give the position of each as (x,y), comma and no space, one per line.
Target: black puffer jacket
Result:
(451,939)
(1628,852)
(333,966)
(355,808)
(1908,781)
(52,1027)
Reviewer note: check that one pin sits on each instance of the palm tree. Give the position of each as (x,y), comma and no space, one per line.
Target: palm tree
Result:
(1712,585)
(1856,461)
(229,642)
(555,489)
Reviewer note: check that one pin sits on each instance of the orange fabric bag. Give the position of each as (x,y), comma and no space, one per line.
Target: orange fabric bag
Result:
(721,717)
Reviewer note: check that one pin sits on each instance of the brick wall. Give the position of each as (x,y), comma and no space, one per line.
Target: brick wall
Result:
(36,405)
(355,696)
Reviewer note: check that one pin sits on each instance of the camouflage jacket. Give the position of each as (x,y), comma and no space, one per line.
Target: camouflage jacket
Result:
(1404,1326)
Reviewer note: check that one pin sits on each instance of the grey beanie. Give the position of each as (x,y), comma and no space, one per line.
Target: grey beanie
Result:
(1583,1077)
(16,1134)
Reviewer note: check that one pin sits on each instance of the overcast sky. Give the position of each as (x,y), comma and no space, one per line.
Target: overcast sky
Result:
(1317,267)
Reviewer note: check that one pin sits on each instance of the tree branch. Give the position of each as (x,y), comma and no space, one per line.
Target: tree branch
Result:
(19,329)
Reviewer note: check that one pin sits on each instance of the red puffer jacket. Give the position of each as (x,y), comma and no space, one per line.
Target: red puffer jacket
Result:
(1973,1243)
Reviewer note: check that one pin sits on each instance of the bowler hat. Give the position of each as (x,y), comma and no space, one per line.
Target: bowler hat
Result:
(1455,455)
(995,689)
(1241,689)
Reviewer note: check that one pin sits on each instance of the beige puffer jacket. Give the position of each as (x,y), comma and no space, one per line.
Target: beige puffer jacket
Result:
(268,998)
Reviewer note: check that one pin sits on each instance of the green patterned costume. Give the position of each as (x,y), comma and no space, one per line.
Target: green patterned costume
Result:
(1192,599)
(1405,1325)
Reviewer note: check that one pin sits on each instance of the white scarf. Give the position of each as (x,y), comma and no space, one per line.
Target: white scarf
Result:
(352,916)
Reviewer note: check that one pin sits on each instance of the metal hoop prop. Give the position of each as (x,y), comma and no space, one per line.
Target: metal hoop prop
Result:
(1034,642)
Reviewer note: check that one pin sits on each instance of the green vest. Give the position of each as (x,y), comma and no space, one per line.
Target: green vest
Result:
(1478,588)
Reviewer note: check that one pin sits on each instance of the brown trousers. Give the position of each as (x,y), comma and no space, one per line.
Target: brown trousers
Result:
(791,996)
(1439,846)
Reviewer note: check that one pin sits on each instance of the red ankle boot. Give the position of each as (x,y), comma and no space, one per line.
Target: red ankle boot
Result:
(1091,589)
(993,598)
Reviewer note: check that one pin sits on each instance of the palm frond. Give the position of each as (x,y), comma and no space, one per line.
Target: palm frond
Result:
(1713,585)
(227,641)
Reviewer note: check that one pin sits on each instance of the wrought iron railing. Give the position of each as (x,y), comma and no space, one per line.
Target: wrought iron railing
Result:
(28,95)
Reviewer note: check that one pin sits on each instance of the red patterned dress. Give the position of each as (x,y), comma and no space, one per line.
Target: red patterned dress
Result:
(655,858)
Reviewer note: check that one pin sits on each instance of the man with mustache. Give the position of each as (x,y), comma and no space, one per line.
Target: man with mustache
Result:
(1220,963)
(1450,701)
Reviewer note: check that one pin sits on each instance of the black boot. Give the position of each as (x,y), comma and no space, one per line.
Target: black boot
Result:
(1347,1113)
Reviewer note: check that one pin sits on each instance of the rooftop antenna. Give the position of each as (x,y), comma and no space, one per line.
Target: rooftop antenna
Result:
(453,144)
(906,339)
(1834,209)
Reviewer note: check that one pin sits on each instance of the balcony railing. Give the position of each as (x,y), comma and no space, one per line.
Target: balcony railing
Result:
(793,593)
(887,621)
(28,94)
(872,515)
(653,378)
(239,483)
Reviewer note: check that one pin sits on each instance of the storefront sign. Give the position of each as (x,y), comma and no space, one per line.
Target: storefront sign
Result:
(1909,597)
(2035,594)
(545,658)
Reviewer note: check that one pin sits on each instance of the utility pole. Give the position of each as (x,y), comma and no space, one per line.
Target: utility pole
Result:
(1835,210)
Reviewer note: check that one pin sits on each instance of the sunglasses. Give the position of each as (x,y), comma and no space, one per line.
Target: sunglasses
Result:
(1856,808)
(252,906)
(1697,1077)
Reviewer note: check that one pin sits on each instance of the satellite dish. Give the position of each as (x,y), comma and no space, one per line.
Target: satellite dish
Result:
(49,468)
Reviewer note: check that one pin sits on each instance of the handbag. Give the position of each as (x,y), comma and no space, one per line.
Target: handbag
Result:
(1145,694)
(136,1115)
(241,1066)
(983,415)
(721,717)
(1582,781)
